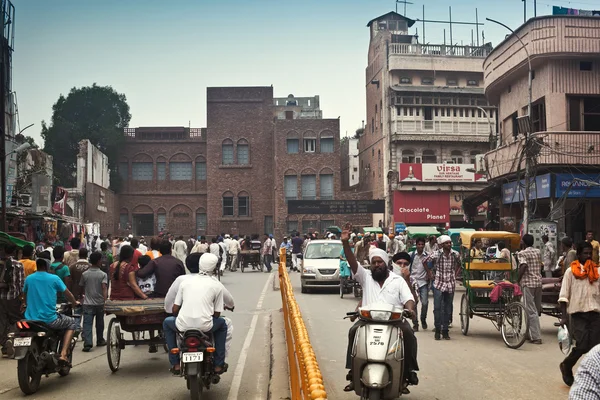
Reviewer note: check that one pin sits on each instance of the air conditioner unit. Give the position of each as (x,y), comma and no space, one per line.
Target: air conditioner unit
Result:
(480,163)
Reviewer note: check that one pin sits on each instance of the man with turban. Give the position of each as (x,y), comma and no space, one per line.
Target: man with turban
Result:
(380,285)
(198,305)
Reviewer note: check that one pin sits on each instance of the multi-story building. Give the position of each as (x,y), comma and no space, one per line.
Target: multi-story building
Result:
(427,116)
(350,163)
(237,174)
(564,128)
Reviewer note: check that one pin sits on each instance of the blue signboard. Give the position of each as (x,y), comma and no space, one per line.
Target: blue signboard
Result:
(514,192)
(400,227)
(577,188)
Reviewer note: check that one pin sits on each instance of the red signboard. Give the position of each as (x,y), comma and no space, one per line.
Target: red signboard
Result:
(439,173)
(420,207)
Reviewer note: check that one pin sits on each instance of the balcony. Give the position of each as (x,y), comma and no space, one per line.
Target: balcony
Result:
(165,134)
(444,131)
(419,57)
(439,50)
(555,149)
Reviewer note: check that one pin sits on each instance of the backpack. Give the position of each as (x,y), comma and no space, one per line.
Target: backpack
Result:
(104,263)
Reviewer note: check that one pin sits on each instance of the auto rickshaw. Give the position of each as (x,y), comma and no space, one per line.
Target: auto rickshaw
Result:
(5,239)
(454,234)
(480,277)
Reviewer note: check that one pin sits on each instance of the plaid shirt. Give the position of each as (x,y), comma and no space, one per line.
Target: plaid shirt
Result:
(15,288)
(587,379)
(445,270)
(531,257)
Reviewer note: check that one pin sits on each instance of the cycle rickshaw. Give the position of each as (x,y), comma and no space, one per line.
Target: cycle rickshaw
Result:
(480,278)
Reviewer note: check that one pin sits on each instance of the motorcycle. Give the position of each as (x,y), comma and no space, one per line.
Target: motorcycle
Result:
(196,352)
(37,350)
(378,352)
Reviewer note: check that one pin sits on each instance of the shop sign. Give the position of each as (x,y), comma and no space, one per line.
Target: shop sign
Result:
(421,207)
(102,201)
(451,173)
(514,192)
(576,188)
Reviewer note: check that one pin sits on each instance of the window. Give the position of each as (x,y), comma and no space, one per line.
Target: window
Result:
(327,145)
(457,156)
(538,115)
(451,82)
(200,221)
(290,187)
(142,171)
(428,114)
(427,81)
(429,157)
(585,65)
(292,226)
(200,170)
(293,146)
(309,187)
(123,170)
(243,153)
(326,181)
(243,206)
(474,154)
(268,224)
(228,205)
(161,171)
(472,82)
(123,219)
(162,221)
(408,156)
(515,124)
(180,171)
(227,149)
(310,145)
(405,80)
(309,225)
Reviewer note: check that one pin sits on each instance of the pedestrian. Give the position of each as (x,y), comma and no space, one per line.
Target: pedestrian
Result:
(76,271)
(234,251)
(180,249)
(201,246)
(107,258)
(191,242)
(225,254)
(530,280)
(94,288)
(569,254)
(586,386)
(362,249)
(143,249)
(166,269)
(580,299)
(135,243)
(29,266)
(12,278)
(297,243)
(421,277)
(431,246)
(589,237)
(549,256)
(60,269)
(392,246)
(447,265)
(267,252)
(71,257)
(380,242)
(49,248)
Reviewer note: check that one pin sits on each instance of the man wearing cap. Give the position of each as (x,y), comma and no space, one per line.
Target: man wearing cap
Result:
(447,265)
(198,304)
(381,285)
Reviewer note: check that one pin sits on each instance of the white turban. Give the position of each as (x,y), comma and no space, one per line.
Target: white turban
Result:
(443,239)
(208,262)
(377,252)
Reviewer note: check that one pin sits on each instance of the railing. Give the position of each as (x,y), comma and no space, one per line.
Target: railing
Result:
(439,50)
(306,381)
(479,128)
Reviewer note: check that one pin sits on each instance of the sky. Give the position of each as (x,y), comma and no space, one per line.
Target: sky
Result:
(164,54)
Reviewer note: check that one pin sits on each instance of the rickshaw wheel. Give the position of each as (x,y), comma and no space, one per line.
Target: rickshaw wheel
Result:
(342,288)
(113,345)
(514,325)
(242,265)
(465,314)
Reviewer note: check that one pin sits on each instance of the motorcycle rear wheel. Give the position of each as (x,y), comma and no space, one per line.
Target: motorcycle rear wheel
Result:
(195,387)
(29,378)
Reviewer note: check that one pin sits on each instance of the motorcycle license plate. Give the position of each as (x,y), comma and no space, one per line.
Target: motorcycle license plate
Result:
(192,357)
(21,342)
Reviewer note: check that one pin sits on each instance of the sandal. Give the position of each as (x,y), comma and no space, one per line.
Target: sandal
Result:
(349,387)
(176,372)
(222,369)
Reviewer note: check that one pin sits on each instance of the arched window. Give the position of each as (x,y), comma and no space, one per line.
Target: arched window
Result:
(457,156)
(200,221)
(161,220)
(474,154)
(429,157)
(243,204)
(326,142)
(228,207)
(243,152)
(290,186)
(124,218)
(161,168)
(326,185)
(408,156)
(227,150)
(200,169)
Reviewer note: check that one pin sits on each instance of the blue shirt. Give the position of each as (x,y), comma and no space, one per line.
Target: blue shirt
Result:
(41,289)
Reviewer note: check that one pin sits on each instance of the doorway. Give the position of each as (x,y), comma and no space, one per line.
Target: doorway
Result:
(143,224)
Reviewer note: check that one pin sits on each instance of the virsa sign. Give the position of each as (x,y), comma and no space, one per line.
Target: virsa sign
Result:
(439,173)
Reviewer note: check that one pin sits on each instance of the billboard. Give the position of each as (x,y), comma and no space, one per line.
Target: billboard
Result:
(451,173)
(336,206)
(420,207)
(577,188)
(514,192)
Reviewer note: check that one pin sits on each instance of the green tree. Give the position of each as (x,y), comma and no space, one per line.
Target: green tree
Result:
(96,113)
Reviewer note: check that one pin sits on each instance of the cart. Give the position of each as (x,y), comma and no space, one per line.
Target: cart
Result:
(508,314)
(135,317)
(250,258)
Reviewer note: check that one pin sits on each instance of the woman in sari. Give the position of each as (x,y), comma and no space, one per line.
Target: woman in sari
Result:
(122,277)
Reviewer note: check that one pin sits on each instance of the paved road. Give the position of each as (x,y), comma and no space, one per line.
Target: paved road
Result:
(146,376)
(474,367)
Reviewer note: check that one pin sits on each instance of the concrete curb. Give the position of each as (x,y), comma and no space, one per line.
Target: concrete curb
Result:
(279,385)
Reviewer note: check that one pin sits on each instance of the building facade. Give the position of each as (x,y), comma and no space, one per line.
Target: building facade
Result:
(564,125)
(426,111)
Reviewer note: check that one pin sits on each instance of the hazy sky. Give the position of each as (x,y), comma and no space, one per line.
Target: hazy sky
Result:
(163,54)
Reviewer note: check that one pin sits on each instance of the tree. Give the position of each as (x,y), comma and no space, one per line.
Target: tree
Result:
(96,113)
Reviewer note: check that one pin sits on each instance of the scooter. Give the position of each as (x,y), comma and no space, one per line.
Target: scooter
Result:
(378,352)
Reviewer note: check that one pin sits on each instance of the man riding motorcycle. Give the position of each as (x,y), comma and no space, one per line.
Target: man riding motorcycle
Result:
(379,285)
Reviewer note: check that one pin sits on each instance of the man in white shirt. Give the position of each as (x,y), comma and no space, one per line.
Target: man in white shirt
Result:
(201,246)
(234,251)
(223,261)
(198,304)
(379,285)
(180,249)
(142,246)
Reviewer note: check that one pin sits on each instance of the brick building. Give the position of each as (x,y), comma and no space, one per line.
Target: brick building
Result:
(237,174)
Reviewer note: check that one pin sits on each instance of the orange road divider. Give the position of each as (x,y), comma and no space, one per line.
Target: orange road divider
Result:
(306,381)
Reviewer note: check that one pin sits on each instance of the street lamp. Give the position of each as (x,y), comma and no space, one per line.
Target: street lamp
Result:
(527,132)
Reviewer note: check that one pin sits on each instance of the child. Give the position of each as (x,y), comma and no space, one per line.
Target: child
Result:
(94,284)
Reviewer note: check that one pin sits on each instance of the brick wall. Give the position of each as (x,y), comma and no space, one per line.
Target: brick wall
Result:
(101,205)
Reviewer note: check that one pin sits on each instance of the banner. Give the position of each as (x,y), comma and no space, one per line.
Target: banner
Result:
(452,173)
(422,207)
(577,185)
(336,206)
(60,201)
(514,192)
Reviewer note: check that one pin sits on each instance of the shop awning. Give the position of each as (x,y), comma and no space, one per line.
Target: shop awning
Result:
(488,193)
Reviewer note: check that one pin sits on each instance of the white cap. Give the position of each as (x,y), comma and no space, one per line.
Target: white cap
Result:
(443,239)
(130,236)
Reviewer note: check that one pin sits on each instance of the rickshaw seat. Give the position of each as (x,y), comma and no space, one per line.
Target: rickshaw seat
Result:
(481,284)
(488,266)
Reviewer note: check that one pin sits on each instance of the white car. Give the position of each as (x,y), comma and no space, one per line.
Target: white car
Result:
(321,265)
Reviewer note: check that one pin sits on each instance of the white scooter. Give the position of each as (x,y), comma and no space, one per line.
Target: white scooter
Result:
(378,352)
